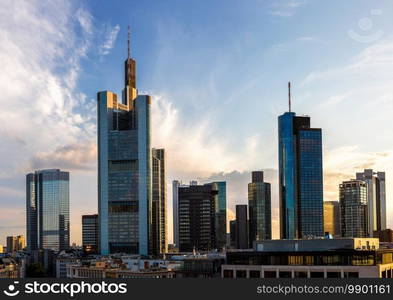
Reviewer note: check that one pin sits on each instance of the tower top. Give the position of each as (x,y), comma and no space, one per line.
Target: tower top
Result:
(289,96)
(128,42)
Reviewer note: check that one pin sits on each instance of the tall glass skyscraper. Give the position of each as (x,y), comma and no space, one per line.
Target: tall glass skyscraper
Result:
(124,168)
(259,205)
(159,213)
(221,213)
(300,177)
(47,210)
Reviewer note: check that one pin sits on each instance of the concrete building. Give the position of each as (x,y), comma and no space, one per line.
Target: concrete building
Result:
(353,208)
(331,218)
(376,199)
(124,168)
(318,258)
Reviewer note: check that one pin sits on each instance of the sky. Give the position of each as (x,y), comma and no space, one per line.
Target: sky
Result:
(218,73)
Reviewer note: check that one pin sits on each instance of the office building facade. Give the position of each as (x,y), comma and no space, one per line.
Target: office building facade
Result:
(331,218)
(175,205)
(47,210)
(159,214)
(90,233)
(124,168)
(353,209)
(259,205)
(241,227)
(300,177)
(221,214)
(376,199)
(197,217)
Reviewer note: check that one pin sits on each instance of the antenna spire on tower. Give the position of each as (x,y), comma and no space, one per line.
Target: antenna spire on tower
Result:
(128,42)
(289,96)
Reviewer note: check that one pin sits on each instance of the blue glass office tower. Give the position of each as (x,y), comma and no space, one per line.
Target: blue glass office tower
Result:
(47,210)
(221,214)
(300,177)
(124,168)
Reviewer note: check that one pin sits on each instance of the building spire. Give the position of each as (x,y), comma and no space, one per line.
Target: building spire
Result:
(289,96)
(129,42)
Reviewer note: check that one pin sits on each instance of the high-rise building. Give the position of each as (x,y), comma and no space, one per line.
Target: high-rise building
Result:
(331,218)
(197,215)
(124,168)
(232,234)
(47,210)
(175,203)
(15,243)
(159,214)
(221,214)
(90,233)
(259,205)
(353,208)
(241,227)
(300,177)
(376,199)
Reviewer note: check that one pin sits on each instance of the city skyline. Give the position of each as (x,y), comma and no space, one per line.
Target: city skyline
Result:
(63,104)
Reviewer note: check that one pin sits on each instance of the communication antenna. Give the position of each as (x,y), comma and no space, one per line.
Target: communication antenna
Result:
(129,42)
(289,96)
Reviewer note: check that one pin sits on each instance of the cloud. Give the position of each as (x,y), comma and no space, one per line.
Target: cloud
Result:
(286,8)
(110,39)
(44,118)
(69,157)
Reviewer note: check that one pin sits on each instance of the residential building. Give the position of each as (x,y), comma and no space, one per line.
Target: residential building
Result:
(47,210)
(259,205)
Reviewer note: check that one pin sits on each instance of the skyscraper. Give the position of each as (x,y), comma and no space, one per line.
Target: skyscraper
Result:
(15,243)
(124,168)
(221,213)
(90,233)
(241,227)
(197,215)
(300,177)
(331,218)
(259,205)
(353,208)
(159,231)
(47,210)
(175,203)
(376,199)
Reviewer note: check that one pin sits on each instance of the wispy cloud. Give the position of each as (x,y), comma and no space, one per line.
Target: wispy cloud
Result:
(286,8)
(110,39)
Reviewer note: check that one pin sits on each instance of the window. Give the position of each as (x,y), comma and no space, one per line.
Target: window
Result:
(255,274)
(333,274)
(351,274)
(270,274)
(317,275)
(241,274)
(285,274)
(301,274)
(228,273)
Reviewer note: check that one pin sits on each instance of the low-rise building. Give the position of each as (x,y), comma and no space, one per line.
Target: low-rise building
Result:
(330,258)
(9,268)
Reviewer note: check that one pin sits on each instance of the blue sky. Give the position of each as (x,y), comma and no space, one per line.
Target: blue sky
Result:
(218,72)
